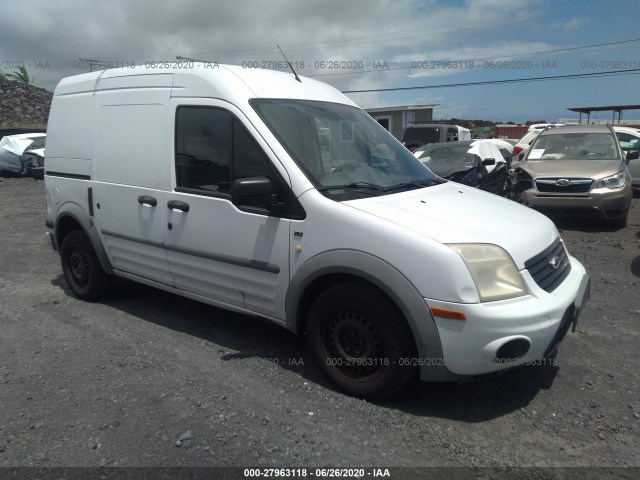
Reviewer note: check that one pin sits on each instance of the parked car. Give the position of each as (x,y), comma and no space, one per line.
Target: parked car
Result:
(33,161)
(477,163)
(541,126)
(18,152)
(213,183)
(578,169)
(414,136)
(522,147)
(629,139)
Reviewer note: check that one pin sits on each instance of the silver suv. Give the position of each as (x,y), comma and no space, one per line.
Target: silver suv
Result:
(578,170)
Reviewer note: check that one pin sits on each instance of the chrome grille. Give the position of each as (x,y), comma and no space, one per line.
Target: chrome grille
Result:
(563,185)
(550,267)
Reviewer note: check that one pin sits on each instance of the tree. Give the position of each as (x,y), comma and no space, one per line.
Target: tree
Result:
(21,75)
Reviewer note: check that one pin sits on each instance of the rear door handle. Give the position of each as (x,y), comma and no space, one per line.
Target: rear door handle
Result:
(178,205)
(147,200)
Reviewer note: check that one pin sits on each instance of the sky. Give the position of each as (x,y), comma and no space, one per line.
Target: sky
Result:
(357,45)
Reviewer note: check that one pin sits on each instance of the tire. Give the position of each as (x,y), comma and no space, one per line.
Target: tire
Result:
(361,340)
(82,270)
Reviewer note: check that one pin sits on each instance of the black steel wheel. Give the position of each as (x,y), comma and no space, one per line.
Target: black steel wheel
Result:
(81,267)
(361,340)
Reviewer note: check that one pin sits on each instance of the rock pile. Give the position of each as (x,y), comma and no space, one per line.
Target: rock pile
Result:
(23,105)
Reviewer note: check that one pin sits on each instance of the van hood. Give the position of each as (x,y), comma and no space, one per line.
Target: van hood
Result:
(453,213)
(595,169)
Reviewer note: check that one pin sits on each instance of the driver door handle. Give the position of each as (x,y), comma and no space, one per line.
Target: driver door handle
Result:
(147,200)
(178,205)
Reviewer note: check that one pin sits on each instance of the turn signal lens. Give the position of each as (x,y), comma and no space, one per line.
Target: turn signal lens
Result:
(446,313)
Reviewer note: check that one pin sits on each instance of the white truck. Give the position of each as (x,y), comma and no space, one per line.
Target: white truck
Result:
(272,195)
(418,135)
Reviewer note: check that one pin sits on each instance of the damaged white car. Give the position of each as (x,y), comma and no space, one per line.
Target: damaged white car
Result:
(23,154)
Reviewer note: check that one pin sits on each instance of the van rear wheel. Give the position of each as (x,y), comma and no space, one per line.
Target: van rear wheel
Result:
(361,340)
(81,267)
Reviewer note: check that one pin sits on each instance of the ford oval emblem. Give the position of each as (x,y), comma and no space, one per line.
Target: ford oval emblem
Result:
(563,182)
(555,262)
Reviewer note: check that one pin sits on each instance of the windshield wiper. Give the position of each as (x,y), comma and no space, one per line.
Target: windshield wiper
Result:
(352,186)
(411,184)
(373,186)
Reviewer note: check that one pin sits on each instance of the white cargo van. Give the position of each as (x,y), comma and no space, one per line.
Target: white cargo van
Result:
(418,135)
(260,193)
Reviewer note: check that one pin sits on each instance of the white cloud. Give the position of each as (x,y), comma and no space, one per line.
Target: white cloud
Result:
(453,110)
(574,24)
(392,31)
(135,31)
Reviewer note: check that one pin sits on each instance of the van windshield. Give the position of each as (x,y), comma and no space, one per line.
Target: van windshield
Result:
(344,152)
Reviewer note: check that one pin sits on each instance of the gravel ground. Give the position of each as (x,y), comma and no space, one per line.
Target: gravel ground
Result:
(145,378)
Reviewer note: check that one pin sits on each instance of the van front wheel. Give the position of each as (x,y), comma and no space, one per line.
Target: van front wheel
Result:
(81,267)
(361,340)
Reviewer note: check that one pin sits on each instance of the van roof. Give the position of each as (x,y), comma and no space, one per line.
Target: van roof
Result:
(229,82)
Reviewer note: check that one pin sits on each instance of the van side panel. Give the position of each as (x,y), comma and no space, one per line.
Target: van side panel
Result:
(71,131)
(129,145)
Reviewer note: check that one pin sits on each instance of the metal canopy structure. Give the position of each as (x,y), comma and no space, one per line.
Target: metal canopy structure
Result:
(615,108)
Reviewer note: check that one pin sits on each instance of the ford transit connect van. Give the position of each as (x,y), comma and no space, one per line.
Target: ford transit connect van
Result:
(262,193)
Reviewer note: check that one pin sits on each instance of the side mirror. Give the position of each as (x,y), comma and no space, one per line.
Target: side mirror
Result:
(255,192)
(521,156)
(488,161)
(633,155)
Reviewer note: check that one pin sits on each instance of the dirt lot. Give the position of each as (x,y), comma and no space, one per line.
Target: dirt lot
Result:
(119,382)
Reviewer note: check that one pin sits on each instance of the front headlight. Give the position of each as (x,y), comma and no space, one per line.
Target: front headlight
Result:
(492,269)
(615,181)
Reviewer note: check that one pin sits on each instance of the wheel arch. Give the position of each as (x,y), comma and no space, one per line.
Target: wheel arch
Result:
(325,269)
(72,216)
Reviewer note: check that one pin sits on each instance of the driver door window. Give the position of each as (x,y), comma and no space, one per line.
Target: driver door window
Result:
(212,149)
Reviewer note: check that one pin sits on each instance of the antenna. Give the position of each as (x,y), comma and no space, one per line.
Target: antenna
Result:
(189,59)
(289,63)
(91,62)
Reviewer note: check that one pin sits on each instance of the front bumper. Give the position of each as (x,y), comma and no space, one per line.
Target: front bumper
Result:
(51,240)
(11,167)
(539,321)
(603,203)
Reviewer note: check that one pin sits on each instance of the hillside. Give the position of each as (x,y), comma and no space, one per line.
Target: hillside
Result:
(23,105)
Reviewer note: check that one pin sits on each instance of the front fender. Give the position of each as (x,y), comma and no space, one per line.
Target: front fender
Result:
(386,277)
